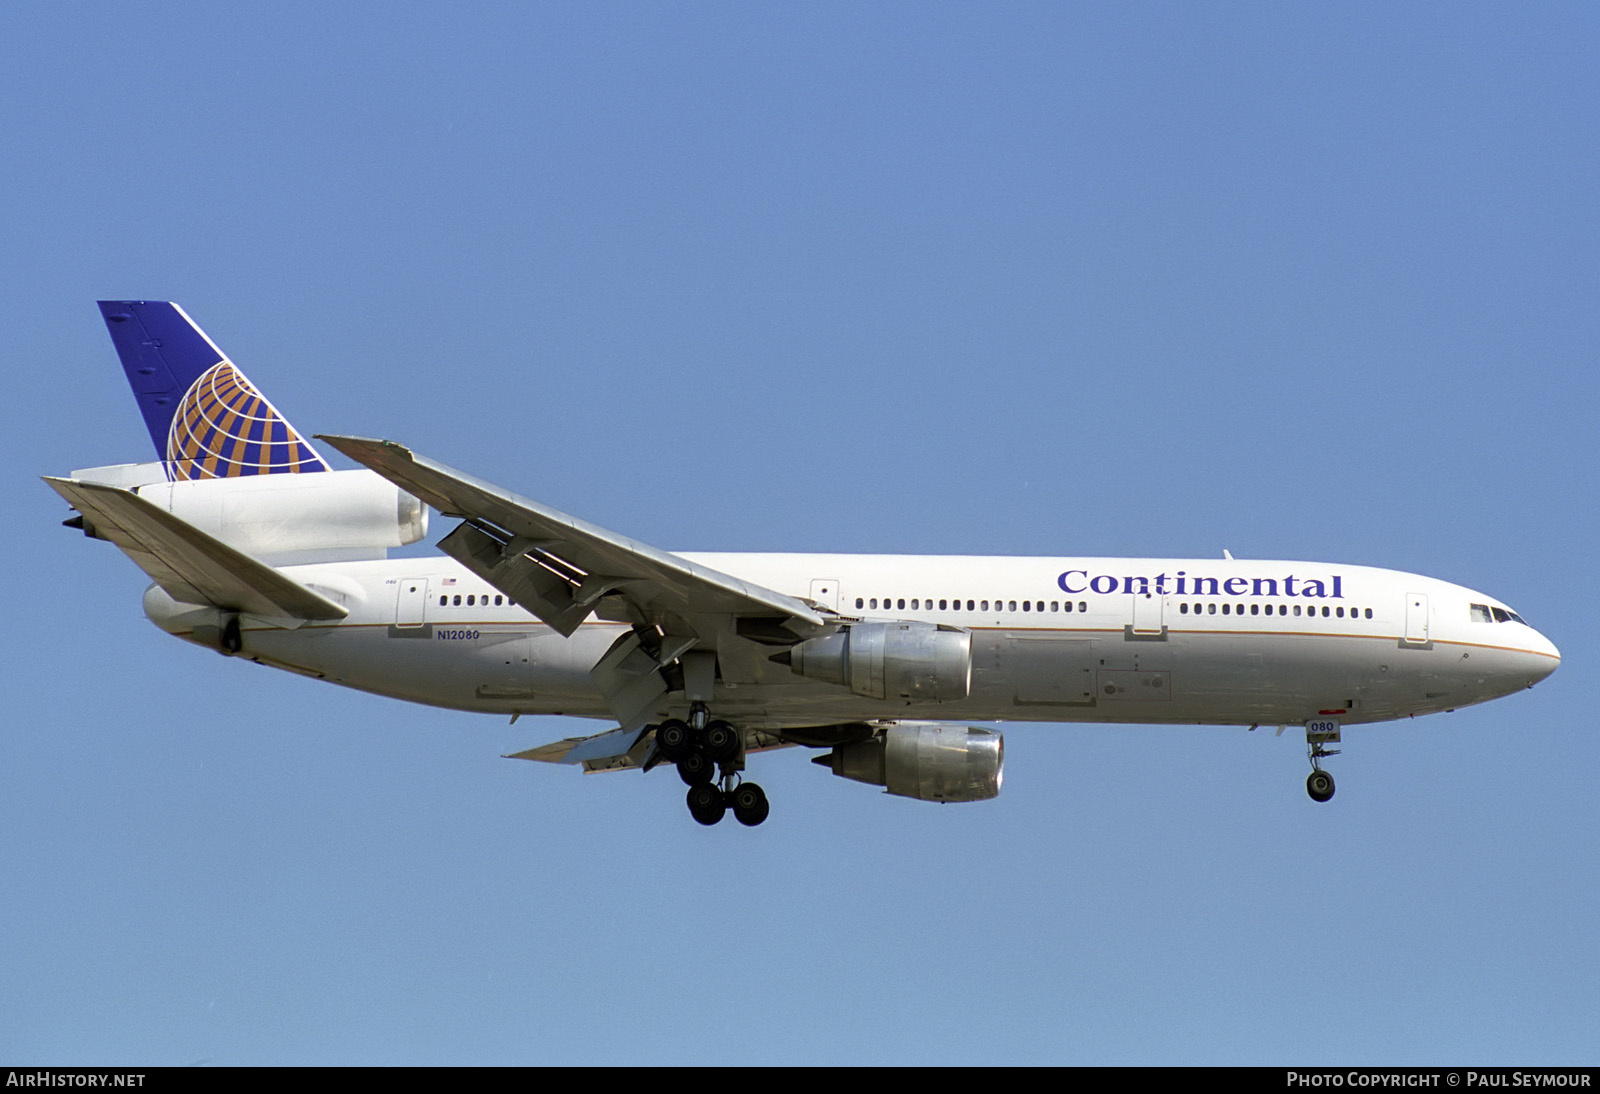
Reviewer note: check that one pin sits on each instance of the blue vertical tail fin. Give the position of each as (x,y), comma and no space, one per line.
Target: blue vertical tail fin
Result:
(206,419)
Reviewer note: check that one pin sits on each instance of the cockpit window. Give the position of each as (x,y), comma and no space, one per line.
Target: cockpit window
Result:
(1483,613)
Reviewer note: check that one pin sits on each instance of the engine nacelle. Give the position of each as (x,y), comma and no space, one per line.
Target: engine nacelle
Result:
(910,660)
(277,517)
(926,761)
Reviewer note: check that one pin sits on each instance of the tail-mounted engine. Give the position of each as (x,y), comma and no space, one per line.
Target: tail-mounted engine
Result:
(910,660)
(926,761)
(275,516)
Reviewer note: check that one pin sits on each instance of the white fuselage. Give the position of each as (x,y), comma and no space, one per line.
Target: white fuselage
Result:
(1054,640)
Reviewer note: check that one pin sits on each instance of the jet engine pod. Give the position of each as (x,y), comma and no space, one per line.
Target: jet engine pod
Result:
(927,761)
(911,660)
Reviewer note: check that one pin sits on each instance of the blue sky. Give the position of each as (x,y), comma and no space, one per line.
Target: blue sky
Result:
(1299,281)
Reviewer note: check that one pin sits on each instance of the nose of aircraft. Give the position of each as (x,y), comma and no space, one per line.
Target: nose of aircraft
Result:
(1545,657)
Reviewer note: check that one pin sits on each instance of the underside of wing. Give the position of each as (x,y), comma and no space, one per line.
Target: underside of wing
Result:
(621,749)
(190,565)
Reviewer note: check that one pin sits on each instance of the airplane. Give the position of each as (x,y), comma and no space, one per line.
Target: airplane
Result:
(257,548)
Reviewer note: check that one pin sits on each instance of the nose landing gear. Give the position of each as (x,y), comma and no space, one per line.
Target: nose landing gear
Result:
(1320,732)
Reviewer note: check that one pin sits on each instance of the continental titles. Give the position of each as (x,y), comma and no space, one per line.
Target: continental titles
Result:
(1329,587)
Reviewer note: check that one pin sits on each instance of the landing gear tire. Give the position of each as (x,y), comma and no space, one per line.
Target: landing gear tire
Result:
(696,769)
(674,740)
(707,804)
(1319,784)
(750,806)
(722,742)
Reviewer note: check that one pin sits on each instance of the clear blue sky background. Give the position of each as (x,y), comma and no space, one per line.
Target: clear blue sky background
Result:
(1301,281)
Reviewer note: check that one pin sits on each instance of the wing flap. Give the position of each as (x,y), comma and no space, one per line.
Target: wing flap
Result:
(188,564)
(620,749)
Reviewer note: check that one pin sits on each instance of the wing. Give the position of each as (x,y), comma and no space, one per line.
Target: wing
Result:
(621,749)
(562,569)
(188,564)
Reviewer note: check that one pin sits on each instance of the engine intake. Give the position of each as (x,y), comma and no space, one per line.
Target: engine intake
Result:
(926,761)
(910,660)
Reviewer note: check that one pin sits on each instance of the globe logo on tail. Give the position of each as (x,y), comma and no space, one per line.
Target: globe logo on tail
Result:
(225,428)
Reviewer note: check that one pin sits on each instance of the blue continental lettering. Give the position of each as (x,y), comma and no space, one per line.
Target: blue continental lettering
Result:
(1080,581)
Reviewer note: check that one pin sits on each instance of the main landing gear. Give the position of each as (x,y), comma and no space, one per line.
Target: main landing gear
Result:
(709,758)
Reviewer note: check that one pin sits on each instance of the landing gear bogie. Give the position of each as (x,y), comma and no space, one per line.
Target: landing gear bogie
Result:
(709,756)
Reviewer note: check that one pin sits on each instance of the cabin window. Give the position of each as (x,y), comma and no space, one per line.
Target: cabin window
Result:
(457,601)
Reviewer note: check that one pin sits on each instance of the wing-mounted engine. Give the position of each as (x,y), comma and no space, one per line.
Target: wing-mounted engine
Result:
(928,761)
(279,518)
(903,660)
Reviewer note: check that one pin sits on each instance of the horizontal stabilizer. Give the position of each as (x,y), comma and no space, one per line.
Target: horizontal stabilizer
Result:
(188,564)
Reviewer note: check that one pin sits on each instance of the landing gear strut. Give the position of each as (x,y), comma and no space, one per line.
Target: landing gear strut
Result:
(709,757)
